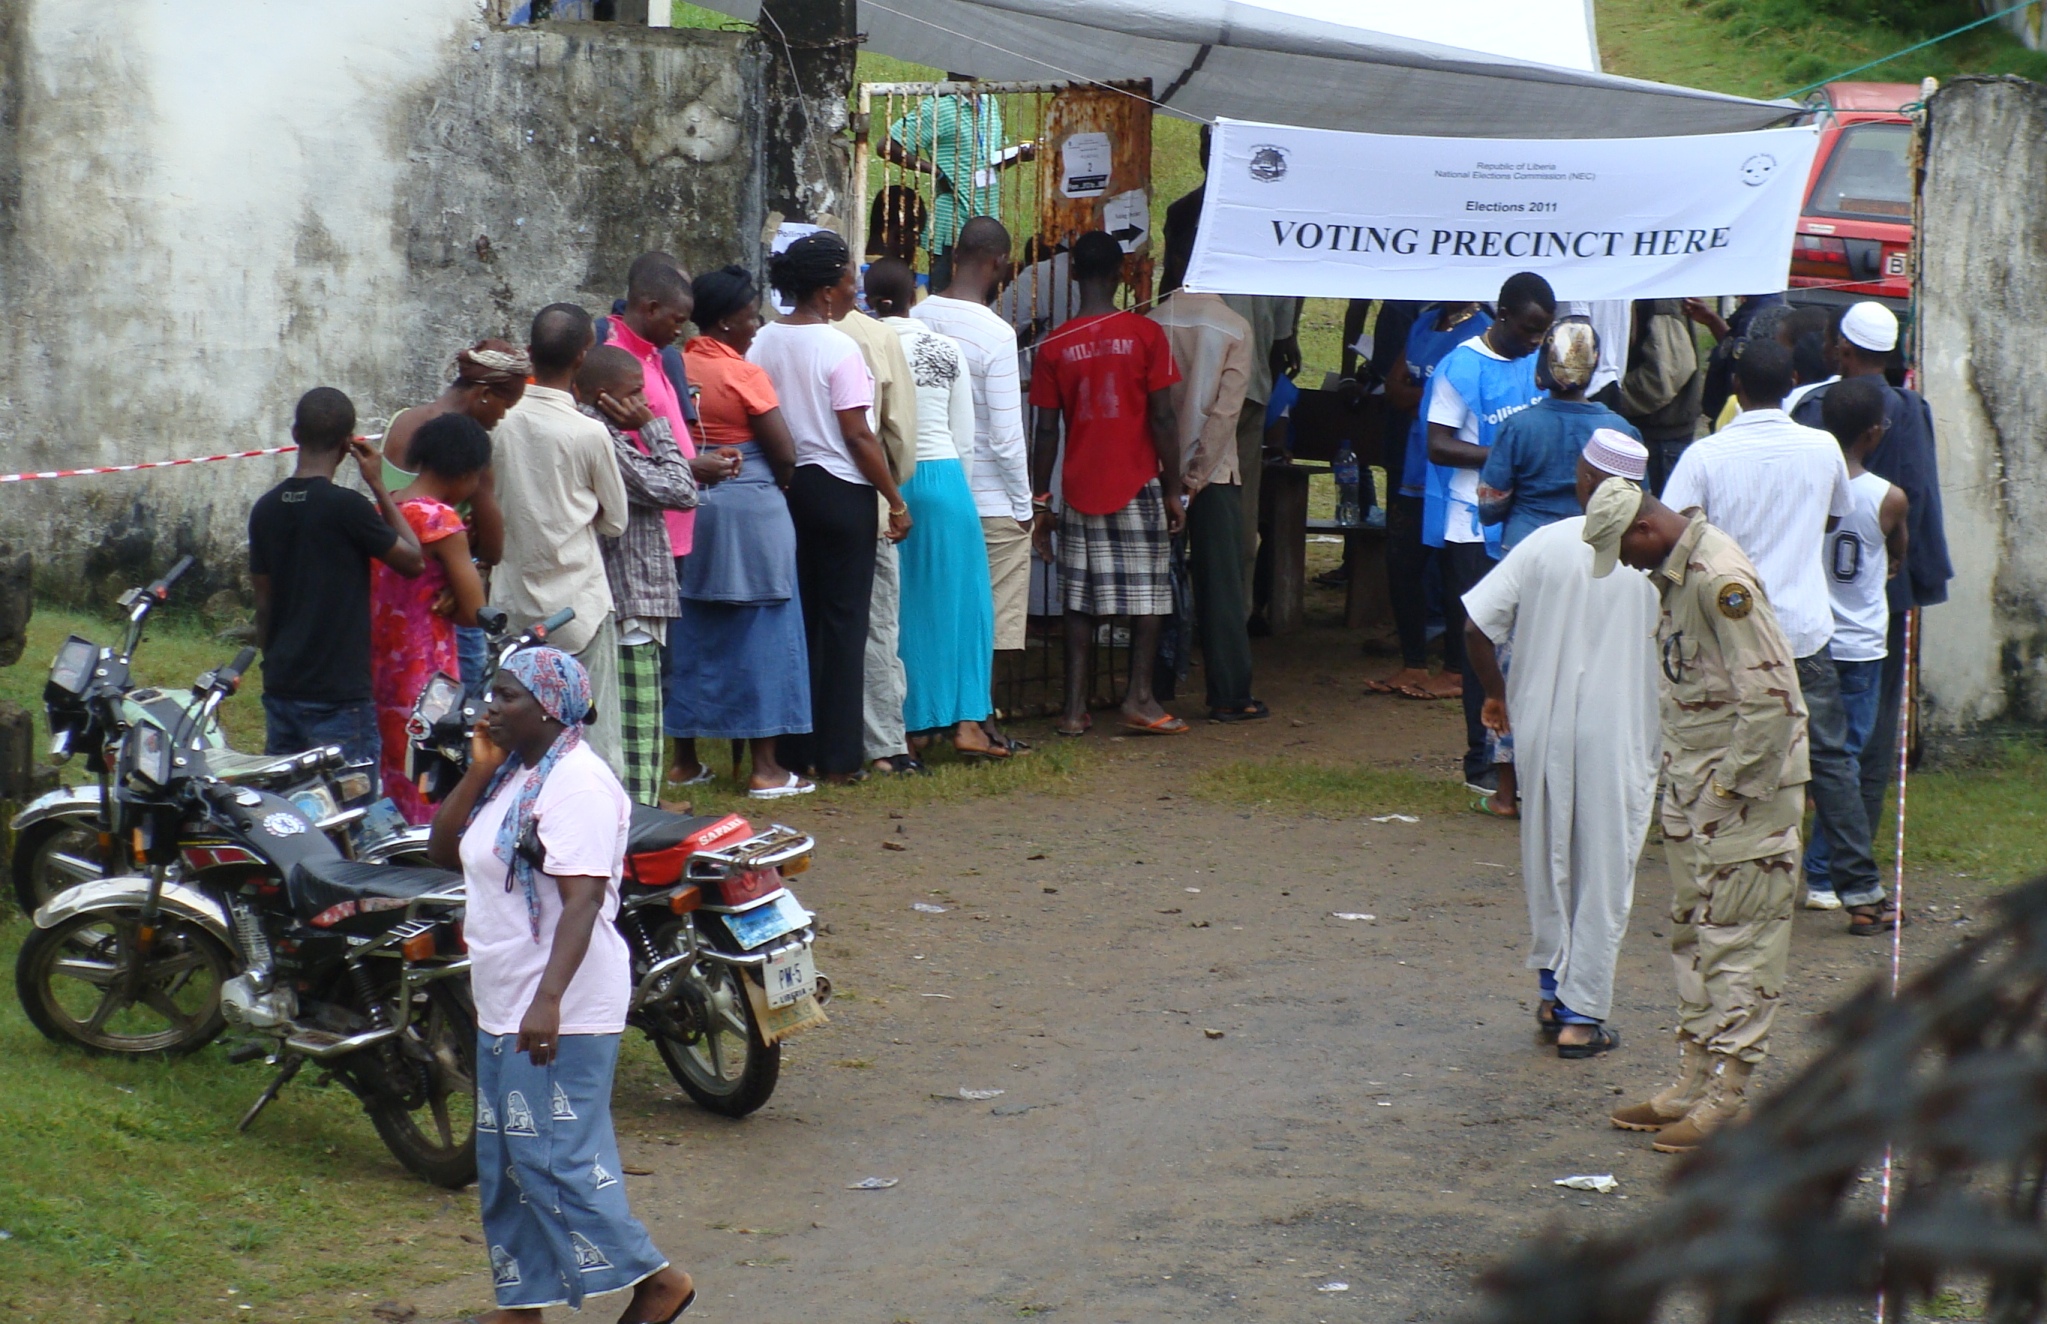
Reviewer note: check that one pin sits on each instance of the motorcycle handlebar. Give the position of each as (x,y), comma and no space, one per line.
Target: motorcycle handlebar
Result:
(554,622)
(162,587)
(230,676)
(492,620)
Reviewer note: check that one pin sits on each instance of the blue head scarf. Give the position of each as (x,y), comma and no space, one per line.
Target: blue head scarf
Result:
(562,688)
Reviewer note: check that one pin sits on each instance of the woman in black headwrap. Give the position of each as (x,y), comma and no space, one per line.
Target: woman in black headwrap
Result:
(739,668)
(827,395)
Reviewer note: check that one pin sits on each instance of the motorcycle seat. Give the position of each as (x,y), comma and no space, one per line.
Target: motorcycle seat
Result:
(335,889)
(657,829)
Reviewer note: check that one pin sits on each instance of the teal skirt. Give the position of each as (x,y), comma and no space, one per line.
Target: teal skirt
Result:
(948,610)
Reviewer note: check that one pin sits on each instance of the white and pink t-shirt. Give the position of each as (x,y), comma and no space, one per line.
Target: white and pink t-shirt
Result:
(583,814)
(817,370)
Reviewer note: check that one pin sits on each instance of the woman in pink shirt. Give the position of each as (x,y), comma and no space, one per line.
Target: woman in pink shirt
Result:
(538,828)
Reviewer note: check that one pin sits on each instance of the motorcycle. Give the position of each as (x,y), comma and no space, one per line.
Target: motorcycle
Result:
(64,837)
(722,960)
(249,916)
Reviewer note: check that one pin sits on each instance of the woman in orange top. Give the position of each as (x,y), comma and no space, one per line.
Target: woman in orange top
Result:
(737,663)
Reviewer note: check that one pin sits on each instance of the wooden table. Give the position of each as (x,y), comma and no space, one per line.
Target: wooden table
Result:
(1323,423)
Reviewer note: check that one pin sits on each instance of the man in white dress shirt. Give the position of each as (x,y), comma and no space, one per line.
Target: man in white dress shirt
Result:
(1777,489)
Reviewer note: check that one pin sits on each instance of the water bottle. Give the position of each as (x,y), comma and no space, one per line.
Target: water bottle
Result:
(1348,512)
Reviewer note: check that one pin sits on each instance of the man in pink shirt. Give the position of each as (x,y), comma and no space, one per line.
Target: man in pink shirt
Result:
(657,305)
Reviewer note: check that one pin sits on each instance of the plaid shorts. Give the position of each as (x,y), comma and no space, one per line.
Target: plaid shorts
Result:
(1119,564)
(639,720)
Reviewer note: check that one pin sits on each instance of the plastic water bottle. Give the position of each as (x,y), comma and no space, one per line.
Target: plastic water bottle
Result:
(1345,469)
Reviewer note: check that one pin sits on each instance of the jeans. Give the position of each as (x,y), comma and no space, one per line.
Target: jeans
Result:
(1215,528)
(1836,787)
(1880,749)
(293,726)
(472,649)
(1407,564)
(1861,687)
(1464,564)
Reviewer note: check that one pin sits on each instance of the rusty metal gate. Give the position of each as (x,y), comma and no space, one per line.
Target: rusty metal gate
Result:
(1051,160)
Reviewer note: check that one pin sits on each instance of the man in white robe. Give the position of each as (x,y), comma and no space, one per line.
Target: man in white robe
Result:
(1581,700)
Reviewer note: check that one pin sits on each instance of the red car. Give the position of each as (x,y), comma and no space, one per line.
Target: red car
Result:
(1855,234)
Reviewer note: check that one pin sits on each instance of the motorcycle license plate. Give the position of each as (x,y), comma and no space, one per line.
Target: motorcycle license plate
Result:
(790,977)
(768,922)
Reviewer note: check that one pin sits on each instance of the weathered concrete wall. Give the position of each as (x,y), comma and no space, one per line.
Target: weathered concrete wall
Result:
(1983,282)
(206,210)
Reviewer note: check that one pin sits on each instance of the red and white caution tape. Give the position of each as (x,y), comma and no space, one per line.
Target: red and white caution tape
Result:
(152,464)
(157,464)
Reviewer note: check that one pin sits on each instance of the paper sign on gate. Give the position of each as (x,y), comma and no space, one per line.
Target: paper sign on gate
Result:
(1085,161)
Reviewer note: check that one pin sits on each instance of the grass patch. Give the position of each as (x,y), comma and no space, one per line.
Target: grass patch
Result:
(1337,790)
(1053,767)
(1987,821)
(126,1185)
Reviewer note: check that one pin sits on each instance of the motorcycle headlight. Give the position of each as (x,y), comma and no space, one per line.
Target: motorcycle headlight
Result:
(440,700)
(73,667)
(146,752)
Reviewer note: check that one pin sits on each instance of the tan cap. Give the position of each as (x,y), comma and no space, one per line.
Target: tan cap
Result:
(1612,509)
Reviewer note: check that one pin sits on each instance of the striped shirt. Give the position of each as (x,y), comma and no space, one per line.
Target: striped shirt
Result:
(1772,485)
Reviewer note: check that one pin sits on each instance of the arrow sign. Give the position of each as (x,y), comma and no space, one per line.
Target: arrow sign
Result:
(1127,217)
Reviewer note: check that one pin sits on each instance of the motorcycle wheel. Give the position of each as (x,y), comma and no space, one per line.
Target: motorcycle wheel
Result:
(723,1065)
(431,1126)
(71,984)
(53,856)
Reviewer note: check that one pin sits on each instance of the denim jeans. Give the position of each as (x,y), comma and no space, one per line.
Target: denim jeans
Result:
(1836,787)
(1861,687)
(293,726)
(472,650)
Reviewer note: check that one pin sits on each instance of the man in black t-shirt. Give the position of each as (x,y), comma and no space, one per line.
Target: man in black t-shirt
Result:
(310,547)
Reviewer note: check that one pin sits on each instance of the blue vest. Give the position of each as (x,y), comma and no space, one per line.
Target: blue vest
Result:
(1496,390)
(1426,347)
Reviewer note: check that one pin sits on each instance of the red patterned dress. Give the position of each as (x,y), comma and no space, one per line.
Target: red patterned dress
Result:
(408,644)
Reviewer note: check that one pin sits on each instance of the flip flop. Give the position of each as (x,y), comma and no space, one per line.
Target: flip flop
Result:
(704,774)
(995,753)
(1254,711)
(794,786)
(903,765)
(1546,1026)
(1484,805)
(1087,724)
(1604,1040)
(1426,696)
(1167,725)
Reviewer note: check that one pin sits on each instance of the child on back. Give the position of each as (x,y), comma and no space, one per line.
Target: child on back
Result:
(412,621)
(1863,551)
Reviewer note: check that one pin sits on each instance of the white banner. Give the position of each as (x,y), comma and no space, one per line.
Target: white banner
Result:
(1327,214)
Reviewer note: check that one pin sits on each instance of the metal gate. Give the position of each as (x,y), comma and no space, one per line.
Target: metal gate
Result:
(1051,160)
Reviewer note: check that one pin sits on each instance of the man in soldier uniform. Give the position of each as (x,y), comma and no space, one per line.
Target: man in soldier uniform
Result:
(1734,774)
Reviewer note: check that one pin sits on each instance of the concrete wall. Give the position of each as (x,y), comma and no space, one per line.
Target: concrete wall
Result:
(1982,286)
(207,209)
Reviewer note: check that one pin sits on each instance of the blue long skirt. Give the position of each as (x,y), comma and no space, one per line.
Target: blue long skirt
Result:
(738,671)
(948,611)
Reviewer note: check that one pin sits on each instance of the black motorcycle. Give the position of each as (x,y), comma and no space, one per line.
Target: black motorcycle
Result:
(721,948)
(65,836)
(250,916)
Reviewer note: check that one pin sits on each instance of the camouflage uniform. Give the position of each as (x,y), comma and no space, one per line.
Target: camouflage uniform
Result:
(1734,773)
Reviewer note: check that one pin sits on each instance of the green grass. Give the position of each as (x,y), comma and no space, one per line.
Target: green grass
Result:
(126,1184)
(1336,790)
(1053,767)
(1987,821)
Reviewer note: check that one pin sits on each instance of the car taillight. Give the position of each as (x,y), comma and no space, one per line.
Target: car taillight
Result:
(1821,258)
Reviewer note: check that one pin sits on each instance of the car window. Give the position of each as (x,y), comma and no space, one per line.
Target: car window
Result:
(1869,175)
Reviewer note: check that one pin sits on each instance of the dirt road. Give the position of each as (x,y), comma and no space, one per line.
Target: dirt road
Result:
(1220,1101)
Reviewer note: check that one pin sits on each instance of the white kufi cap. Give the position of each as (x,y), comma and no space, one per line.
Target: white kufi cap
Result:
(1871,326)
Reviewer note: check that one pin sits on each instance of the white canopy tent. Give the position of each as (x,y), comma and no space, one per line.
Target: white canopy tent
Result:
(1447,68)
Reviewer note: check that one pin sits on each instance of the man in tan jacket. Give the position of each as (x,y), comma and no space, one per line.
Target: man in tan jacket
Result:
(1734,774)
(895,424)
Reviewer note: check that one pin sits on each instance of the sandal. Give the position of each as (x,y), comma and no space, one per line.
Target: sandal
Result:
(703,775)
(996,752)
(1428,696)
(900,764)
(1546,1025)
(1087,724)
(1869,921)
(1254,711)
(1484,805)
(1167,725)
(794,786)
(1604,1040)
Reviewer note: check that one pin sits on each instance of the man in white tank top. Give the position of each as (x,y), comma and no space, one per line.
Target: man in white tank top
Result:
(1862,553)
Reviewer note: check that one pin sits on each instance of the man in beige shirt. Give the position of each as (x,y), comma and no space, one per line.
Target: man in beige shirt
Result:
(559,486)
(895,424)
(1213,347)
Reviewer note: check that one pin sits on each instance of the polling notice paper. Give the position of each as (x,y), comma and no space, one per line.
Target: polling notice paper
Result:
(1329,214)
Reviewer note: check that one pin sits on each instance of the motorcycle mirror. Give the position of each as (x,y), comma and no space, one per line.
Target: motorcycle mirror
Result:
(492,620)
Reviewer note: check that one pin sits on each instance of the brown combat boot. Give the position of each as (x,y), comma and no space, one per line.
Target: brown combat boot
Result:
(1670,1107)
(1724,1102)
